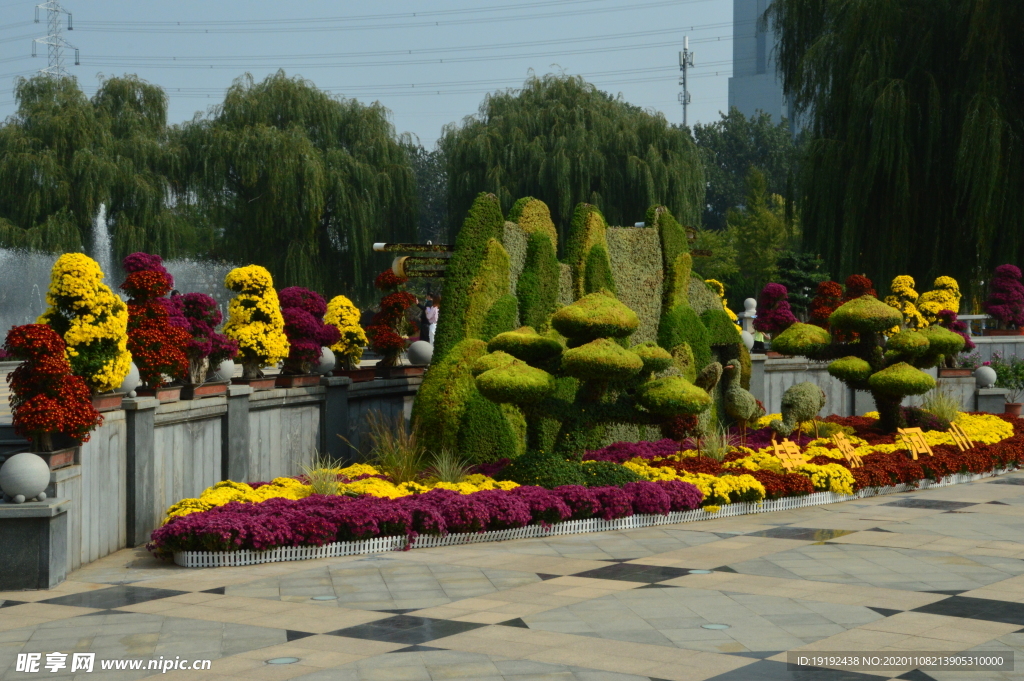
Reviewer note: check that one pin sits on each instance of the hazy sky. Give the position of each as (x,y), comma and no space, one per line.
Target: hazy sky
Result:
(430,63)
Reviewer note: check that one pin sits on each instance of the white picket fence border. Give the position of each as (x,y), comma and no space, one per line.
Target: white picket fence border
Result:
(211,559)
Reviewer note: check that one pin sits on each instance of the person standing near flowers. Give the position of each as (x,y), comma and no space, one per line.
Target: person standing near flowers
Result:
(431,314)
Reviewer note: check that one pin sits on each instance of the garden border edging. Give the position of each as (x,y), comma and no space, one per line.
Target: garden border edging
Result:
(210,559)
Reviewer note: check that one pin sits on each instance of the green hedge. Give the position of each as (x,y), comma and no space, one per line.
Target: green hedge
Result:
(486,288)
(720,328)
(503,316)
(635,255)
(586,230)
(485,433)
(483,223)
(597,275)
(682,325)
(442,398)
(538,286)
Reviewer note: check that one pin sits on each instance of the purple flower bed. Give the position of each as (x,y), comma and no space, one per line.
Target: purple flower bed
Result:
(621,452)
(319,520)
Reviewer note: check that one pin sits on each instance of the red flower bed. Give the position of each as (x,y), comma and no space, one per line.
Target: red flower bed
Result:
(778,485)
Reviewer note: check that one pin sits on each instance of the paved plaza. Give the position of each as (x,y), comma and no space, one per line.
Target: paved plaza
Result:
(936,570)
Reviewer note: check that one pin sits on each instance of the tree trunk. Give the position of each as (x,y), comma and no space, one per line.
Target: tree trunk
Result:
(890,417)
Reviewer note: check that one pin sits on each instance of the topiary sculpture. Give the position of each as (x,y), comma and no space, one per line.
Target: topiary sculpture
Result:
(616,384)
(890,369)
(740,405)
(801,402)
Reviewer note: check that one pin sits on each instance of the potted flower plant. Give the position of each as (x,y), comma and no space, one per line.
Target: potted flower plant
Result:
(1009,375)
(206,349)
(256,324)
(303,311)
(349,349)
(773,312)
(49,404)
(390,330)
(156,340)
(1006,302)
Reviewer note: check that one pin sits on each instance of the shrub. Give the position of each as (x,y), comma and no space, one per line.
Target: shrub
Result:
(675,253)
(595,316)
(858,285)
(487,287)
(538,286)
(601,359)
(682,325)
(206,348)
(92,321)
(949,320)
(1006,297)
(46,398)
(157,346)
(485,432)
(586,230)
(502,317)
(648,497)
(543,470)
(773,313)
(638,275)
(721,330)
(606,473)
(444,394)
(942,403)
(525,344)
(254,319)
(597,275)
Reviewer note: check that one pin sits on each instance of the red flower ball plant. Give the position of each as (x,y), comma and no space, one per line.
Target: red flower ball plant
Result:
(46,398)
(827,299)
(1006,298)
(198,314)
(773,312)
(157,344)
(303,312)
(390,329)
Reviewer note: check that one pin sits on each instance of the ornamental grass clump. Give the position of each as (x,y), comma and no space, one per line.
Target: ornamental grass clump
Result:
(395,450)
(46,398)
(941,402)
(447,466)
(303,311)
(206,348)
(320,475)
(344,316)
(156,338)
(390,328)
(91,319)
(1006,297)
(254,320)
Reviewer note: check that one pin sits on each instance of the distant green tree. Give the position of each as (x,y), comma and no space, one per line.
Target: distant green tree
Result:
(563,141)
(431,193)
(916,115)
(300,182)
(720,261)
(760,232)
(731,146)
(800,273)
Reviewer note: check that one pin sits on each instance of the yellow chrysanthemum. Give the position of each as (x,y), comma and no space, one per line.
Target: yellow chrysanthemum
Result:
(254,317)
(344,315)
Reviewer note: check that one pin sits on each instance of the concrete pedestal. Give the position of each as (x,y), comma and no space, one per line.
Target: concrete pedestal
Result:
(33,544)
(991,400)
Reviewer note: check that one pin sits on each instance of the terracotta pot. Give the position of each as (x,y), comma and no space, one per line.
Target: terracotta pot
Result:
(297,381)
(1013,408)
(208,389)
(107,401)
(61,458)
(1004,332)
(402,371)
(954,373)
(168,393)
(771,354)
(265,383)
(358,375)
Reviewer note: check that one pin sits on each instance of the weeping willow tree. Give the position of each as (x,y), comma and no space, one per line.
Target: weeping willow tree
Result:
(53,172)
(915,163)
(62,156)
(300,182)
(561,140)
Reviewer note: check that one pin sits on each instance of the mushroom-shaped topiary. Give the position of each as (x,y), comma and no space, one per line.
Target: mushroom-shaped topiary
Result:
(673,395)
(801,338)
(526,344)
(493,360)
(598,315)
(864,359)
(516,383)
(601,360)
(654,357)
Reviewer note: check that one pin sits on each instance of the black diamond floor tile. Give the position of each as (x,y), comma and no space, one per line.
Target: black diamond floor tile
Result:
(930,504)
(724,568)
(1008,481)
(219,590)
(406,629)
(769,670)
(417,649)
(659,586)
(398,611)
(632,572)
(948,592)
(877,529)
(545,577)
(976,609)
(885,612)
(109,612)
(999,503)
(726,535)
(758,654)
(807,533)
(11,604)
(517,622)
(114,597)
(915,675)
(296,635)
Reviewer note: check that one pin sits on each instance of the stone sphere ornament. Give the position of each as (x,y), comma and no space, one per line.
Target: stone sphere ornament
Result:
(224,371)
(748,339)
(985,376)
(24,475)
(327,361)
(131,381)
(420,352)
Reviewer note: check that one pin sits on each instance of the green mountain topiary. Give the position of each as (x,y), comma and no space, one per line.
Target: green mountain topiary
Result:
(538,285)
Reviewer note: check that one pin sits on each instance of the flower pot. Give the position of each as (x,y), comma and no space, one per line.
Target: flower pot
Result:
(771,354)
(1013,408)
(401,371)
(358,375)
(168,393)
(61,458)
(265,383)
(297,381)
(954,373)
(107,401)
(208,389)
(1003,332)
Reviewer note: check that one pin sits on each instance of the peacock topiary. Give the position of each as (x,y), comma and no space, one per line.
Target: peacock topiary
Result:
(800,402)
(740,404)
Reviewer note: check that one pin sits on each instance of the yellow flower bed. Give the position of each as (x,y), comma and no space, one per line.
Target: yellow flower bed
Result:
(289,488)
(716,490)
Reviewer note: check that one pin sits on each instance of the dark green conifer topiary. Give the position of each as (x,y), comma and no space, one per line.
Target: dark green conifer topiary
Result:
(538,285)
